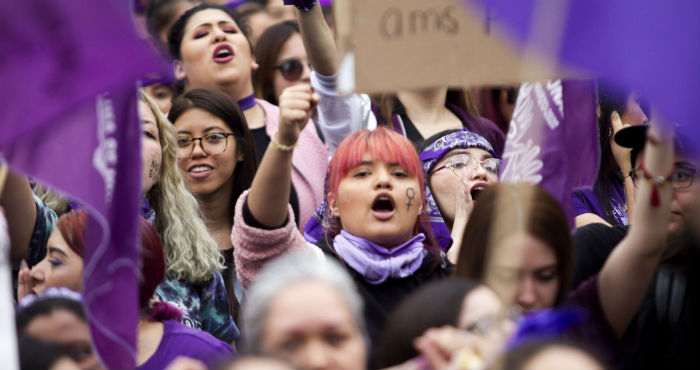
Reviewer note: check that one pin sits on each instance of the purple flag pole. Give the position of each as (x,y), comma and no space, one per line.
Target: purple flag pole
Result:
(553,139)
(68,117)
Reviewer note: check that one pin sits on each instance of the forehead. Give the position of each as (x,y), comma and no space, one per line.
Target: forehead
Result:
(522,251)
(198,119)
(477,153)
(61,326)
(293,47)
(211,16)
(307,305)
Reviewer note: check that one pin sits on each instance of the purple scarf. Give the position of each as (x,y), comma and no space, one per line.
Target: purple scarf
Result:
(376,263)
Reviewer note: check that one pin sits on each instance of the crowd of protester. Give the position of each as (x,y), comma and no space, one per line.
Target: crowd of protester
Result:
(284,225)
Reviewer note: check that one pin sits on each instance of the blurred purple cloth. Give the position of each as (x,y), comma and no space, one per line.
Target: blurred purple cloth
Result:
(553,139)
(650,46)
(68,117)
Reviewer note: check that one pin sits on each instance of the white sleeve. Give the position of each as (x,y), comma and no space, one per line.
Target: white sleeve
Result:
(340,115)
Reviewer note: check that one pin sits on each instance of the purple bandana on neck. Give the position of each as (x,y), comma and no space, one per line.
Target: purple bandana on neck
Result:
(247,102)
(376,263)
(430,157)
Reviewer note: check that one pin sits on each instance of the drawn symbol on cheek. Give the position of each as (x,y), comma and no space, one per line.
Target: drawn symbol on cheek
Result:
(153,170)
(411,194)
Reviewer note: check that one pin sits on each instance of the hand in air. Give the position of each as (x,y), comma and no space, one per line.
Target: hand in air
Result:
(296,106)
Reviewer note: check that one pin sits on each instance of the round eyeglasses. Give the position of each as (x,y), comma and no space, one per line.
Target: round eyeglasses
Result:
(465,164)
(682,177)
(292,69)
(212,144)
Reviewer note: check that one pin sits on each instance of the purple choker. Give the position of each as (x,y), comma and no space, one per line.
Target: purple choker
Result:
(247,102)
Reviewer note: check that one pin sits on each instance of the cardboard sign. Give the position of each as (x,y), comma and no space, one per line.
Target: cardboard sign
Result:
(389,45)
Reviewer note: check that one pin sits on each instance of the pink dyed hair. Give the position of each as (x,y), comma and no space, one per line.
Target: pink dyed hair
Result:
(382,144)
(385,145)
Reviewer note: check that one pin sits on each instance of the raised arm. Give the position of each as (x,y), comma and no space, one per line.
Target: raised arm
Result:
(629,269)
(20,210)
(318,41)
(269,192)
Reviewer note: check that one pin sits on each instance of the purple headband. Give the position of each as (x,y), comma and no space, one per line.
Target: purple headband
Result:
(430,156)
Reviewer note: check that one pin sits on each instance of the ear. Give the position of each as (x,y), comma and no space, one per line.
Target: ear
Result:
(254,64)
(179,70)
(333,204)
(240,157)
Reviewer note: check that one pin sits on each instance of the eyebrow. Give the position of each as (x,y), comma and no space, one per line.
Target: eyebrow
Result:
(210,128)
(57,250)
(209,24)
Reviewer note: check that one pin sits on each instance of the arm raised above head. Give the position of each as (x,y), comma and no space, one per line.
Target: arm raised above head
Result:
(318,41)
(625,277)
(20,210)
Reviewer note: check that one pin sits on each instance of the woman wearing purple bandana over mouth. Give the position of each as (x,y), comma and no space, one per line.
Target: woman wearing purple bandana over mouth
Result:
(376,211)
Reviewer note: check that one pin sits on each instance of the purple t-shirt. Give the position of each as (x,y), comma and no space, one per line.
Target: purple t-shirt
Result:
(586,201)
(181,340)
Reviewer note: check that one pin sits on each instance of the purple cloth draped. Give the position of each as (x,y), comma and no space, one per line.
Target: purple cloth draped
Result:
(651,46)
(68,117)
(553,139)
(376,263)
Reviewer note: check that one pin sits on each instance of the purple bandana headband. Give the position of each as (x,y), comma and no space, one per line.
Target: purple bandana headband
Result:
(430,156)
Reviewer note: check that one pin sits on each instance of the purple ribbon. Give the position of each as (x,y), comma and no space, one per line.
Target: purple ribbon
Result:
(304,5)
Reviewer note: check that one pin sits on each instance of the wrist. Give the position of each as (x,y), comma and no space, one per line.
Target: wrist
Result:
(286,145)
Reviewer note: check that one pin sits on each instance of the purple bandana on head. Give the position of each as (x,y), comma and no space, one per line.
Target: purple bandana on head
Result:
(430,157)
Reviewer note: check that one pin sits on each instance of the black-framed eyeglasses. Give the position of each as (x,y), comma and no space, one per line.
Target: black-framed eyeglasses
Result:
(682,177)
(212,144)
(292,69)
(465,164)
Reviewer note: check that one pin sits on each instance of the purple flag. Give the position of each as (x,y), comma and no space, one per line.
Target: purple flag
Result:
(68,117)
(650,46)
(553,139)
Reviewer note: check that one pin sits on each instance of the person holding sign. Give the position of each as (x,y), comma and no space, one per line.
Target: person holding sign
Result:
(415,114)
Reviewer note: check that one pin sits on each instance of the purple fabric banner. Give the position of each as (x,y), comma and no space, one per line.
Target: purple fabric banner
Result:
(68,117)
(650,46)
(553,139)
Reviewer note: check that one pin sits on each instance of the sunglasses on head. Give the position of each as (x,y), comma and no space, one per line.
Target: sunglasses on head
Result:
(291,69)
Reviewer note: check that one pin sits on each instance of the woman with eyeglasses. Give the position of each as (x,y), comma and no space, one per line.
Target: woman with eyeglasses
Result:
(209,50)
(216,156)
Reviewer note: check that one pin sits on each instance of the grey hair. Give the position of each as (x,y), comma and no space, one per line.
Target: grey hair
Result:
(286,270)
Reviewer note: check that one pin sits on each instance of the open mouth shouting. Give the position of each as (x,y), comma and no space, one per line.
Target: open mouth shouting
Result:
(223,53)
(476,189)
(383,207)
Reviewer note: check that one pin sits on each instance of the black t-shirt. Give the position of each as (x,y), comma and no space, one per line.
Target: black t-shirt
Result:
(261,141)
(592,245)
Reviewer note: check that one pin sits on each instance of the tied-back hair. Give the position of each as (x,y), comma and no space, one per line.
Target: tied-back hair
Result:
(267,50)
(72,226)
(190,252)
(385,145)
(464,100)
(283,272)
(507,209)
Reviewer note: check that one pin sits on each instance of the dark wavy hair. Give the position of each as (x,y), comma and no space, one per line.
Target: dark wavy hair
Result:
(221,105)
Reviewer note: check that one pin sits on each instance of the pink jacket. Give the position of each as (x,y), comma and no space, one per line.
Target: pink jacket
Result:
(253,247)
(309,161)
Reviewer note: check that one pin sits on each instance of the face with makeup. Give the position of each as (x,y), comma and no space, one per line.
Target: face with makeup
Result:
(61,267)
(151,153)
(378,201)
(319,335)
(451,169)
(206,170)
(214,52)
(523,270)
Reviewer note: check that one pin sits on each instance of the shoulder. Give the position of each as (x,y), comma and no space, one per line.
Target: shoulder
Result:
(596,233)
(195,340)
